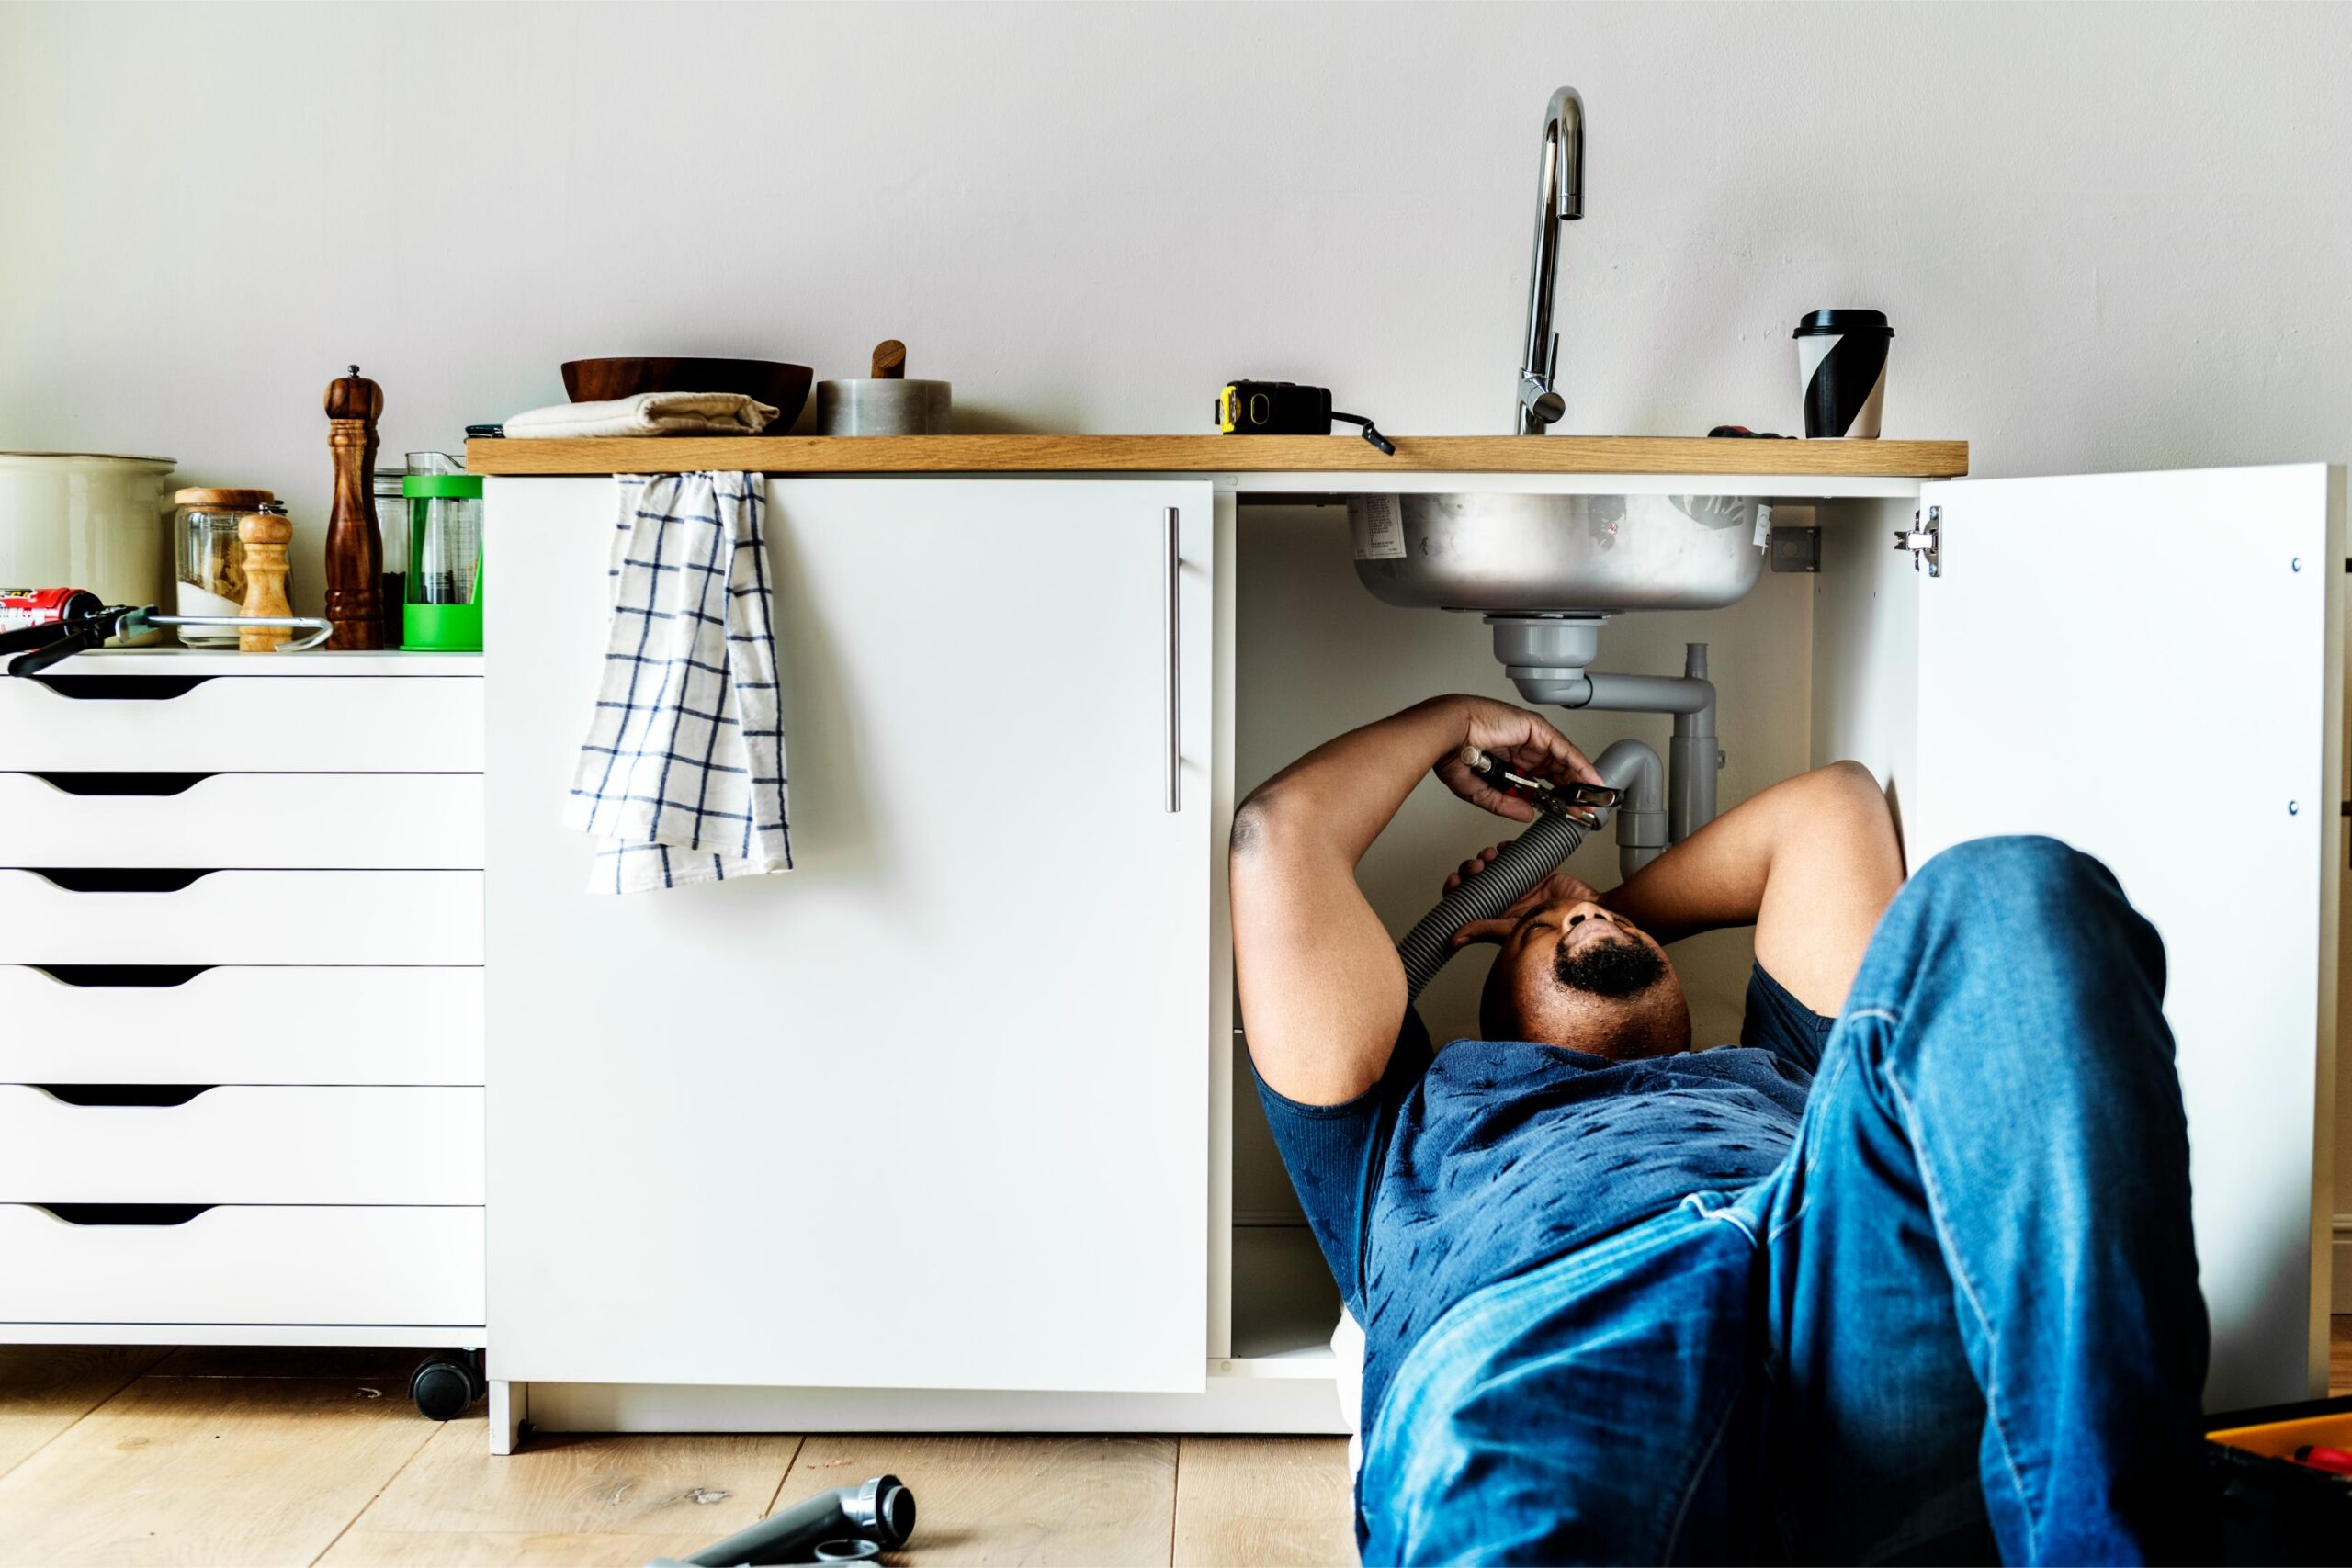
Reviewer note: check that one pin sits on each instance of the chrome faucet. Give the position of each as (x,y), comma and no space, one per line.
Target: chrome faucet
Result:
(1540,402)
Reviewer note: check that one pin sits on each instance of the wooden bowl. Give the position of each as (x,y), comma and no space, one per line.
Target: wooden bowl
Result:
(783,387)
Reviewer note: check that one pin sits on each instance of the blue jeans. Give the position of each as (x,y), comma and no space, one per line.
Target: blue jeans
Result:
(1960,1317)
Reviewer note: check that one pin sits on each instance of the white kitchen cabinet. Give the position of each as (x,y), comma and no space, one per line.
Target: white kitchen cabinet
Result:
(827,1129)
(946,1129)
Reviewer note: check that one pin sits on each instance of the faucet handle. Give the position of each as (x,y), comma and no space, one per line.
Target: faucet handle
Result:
(1544,405)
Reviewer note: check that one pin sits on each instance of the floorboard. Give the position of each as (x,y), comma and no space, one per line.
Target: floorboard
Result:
(200,1470)
(281,1458)
(44,1389)
(1044,1501)
(565,1499)
(1275,1501)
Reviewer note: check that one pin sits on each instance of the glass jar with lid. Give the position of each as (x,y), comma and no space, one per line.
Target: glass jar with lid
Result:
(392,528)
(207,560)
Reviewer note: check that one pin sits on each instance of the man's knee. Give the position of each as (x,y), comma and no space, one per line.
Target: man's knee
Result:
(2015,868)
(2029,905)
(2020,888)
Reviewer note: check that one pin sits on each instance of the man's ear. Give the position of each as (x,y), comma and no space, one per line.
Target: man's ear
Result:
(1497,1007)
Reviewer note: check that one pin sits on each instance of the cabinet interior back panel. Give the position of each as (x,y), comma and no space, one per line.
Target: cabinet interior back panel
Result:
(930,1110)
(1316,654)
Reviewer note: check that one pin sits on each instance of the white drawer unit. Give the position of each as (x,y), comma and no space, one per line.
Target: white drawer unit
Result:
(66,721)
(240,1143)
(240,939)
(252,821)
(390,1266)
(177,1025)
(243,917)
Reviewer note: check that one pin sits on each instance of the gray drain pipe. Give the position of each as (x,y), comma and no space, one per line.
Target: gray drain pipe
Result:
(1632,769)
(1547,658)
(1692,755)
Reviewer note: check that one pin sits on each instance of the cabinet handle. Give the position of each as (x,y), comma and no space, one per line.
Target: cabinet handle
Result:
(147,974)
(107,879)
(163,1095)
(121,688)
(122,784)
(1172,609)
(123,1214)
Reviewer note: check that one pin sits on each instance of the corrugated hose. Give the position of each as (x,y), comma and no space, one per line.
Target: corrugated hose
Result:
(1521,864)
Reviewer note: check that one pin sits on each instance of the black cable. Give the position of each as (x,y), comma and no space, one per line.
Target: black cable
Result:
(1370,431)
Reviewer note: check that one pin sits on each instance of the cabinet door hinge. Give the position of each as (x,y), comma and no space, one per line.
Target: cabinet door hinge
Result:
(1922,539)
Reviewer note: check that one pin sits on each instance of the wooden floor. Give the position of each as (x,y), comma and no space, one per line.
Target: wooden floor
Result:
(260,1458)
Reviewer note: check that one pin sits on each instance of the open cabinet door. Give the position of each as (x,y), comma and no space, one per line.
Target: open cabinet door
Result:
(2148,666)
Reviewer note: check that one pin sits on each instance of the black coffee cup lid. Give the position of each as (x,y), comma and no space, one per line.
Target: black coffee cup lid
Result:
(1855,323)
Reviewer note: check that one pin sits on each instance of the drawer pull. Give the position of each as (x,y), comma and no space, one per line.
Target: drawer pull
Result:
(88,880)
(146,975)
(123,1093)
(121,688)
(122,784)
(123,1214)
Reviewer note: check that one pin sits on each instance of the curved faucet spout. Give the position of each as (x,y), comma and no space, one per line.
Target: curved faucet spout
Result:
(1561,201)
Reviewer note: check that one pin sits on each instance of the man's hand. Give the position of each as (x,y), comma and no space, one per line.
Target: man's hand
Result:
(1525,741)
(1561,884)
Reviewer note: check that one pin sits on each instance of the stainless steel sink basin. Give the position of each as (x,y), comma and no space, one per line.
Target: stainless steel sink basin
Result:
(1596,554)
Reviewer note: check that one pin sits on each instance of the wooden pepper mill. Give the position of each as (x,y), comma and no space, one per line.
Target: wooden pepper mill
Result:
(264,536)
(354,547)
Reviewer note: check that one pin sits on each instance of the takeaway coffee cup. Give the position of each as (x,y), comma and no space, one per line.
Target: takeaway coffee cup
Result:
(1841,372)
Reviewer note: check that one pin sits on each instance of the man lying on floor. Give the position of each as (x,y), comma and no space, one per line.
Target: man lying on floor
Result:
(1914,1285)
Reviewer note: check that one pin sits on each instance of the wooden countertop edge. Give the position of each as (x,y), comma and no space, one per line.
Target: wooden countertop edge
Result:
(1218,453)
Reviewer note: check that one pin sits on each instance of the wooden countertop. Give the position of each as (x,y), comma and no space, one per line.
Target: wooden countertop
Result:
(1218,453)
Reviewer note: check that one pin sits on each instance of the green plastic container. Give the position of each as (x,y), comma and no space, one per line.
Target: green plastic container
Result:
(443,608)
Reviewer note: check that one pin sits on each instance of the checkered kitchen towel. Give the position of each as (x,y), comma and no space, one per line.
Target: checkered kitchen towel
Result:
(681,774)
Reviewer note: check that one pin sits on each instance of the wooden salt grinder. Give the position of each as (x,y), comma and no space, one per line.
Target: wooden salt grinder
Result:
(354,547)
(264,536)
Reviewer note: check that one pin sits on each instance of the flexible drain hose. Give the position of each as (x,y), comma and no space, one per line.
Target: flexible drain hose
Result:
(1524,862)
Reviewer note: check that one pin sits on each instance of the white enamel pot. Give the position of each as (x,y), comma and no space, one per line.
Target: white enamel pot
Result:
(84,520)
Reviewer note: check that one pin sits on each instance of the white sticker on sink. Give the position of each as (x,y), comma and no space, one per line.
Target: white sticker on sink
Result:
(1377,522)
(1763,524)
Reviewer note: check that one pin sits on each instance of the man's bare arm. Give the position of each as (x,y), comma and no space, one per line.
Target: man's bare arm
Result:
(1321,988)
(1811,862)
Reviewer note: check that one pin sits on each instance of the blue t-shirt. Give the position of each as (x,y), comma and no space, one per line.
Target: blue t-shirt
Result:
(1466,1168)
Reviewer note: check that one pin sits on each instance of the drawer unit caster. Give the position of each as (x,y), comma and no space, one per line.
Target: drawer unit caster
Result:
(444,1387)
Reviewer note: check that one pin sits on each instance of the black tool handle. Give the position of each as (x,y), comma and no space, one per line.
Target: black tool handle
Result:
(17,638)
(822,1529)
(61,640)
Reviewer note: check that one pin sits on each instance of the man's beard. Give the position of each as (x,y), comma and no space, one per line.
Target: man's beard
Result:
(1611,966)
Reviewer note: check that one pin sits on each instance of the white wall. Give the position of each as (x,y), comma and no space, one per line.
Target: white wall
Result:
(2110,237)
